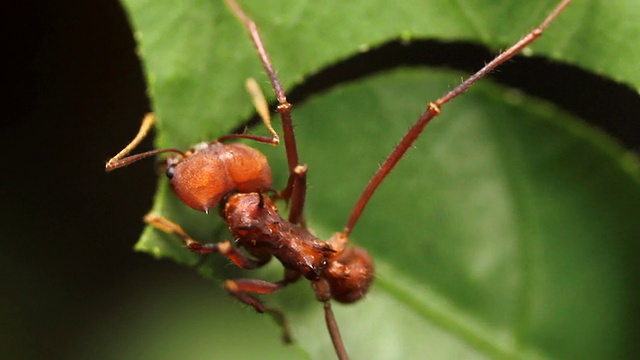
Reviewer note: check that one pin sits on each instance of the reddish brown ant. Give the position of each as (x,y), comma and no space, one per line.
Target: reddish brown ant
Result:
(238,179)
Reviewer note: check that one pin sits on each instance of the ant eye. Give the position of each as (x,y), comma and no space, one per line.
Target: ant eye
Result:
(170,172)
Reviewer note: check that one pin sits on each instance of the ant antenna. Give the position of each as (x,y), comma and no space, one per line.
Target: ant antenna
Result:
(121,159)
(262,107)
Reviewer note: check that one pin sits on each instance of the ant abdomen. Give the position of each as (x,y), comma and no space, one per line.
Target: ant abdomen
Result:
(205,174)
(350,275)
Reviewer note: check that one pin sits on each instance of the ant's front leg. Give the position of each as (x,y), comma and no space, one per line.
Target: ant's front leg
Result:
(296,191)
(296,185)
(225,248)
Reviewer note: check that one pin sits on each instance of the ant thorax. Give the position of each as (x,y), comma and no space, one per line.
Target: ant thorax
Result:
(337,271)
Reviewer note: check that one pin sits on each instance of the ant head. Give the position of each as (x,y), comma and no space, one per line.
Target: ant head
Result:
(206,173)
(350,275)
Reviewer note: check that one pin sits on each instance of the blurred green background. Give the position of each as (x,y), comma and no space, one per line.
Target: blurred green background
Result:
(72,288)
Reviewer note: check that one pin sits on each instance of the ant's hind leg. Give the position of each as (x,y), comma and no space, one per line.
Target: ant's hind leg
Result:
(224,247)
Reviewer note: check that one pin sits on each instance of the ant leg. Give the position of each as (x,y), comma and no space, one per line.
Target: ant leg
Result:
(121,159)
(224,247)
(298,195)
(239,288)
(433,110)
(298,179)
(284,108)
(334,332)
(338,242)
(323,293)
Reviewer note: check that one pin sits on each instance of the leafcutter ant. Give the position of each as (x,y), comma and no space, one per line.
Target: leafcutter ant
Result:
(237,179)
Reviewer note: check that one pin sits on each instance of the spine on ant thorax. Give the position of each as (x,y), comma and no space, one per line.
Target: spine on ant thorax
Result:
(255,223)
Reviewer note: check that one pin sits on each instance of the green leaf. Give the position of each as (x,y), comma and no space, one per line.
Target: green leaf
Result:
(506,233)
(503,234)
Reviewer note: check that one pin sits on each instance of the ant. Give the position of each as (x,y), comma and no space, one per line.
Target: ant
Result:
(237,179)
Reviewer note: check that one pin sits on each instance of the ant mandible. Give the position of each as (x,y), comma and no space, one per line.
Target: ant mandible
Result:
(237,178)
